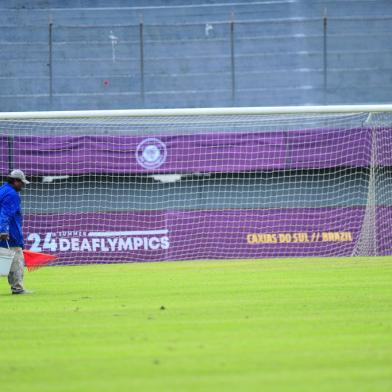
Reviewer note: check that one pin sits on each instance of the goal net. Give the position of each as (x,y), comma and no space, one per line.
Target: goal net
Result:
(124,186)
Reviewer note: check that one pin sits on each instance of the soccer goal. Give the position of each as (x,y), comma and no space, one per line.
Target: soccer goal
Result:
(180,184)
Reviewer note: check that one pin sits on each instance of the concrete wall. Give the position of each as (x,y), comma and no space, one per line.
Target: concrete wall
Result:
(187,48)
(295,189)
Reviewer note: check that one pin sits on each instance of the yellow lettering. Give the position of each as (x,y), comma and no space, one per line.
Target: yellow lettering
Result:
(251,238)
(300,237)
(261,238)
(339,236)
(284,237)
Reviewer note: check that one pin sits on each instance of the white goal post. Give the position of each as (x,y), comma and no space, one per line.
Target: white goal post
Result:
(226,111)
(207,183)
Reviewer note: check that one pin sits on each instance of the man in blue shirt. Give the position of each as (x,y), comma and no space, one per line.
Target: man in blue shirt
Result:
(11,234)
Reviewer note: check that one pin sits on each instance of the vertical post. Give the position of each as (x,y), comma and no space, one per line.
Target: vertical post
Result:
(325,63)
(10,147)
(141,42)
(50,60)
(232,59)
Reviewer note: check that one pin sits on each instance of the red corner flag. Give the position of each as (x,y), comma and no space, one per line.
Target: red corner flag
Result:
(35,260)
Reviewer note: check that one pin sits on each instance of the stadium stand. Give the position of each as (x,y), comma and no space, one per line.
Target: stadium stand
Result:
(58,55)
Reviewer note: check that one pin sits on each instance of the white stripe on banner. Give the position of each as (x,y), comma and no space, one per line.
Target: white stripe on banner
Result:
(126,233)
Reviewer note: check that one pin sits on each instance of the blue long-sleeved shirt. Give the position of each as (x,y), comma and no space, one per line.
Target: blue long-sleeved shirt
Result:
(11,216)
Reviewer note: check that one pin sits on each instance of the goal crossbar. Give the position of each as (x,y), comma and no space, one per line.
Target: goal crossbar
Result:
(273,110)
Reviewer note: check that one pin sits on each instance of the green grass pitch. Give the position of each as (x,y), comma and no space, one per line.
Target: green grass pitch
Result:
(272,325)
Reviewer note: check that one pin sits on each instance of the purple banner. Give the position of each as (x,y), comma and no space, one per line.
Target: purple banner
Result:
(316,149)
(210,152)
(384,147)
(166,154)
(184,235)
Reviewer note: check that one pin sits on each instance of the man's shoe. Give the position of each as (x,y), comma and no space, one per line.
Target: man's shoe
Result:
(23,292)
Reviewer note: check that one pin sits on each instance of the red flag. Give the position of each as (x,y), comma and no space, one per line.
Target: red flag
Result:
(35,260)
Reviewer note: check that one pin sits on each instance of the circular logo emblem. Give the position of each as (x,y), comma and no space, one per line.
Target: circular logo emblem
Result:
(151,153)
